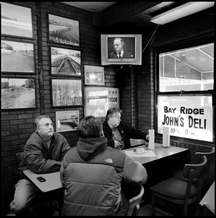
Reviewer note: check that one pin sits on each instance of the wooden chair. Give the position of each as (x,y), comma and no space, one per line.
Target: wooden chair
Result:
(209,176)
(182,192)
(134,203)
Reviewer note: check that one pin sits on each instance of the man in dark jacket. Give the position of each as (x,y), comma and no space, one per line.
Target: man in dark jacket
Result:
(119,49)
(92,173)
(118,133)
(43,153)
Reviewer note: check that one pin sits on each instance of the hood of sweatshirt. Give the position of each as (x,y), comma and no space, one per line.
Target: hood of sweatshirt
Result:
(90,147)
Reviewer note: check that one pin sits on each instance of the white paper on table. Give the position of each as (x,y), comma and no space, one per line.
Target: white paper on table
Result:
(146,153)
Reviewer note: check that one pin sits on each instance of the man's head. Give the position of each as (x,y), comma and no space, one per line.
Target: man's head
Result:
(89,127)
(44,126)
(118,44)
(113,117)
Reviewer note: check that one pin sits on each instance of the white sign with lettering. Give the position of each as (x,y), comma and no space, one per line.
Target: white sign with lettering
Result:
(186,116)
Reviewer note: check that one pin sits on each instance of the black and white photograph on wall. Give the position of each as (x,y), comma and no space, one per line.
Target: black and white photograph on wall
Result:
(63,30)
(66,92)
(99,99)
(67,120)
(94,75)
(16,20)
(17,93)
(65,61)
(121,47)
(17,57)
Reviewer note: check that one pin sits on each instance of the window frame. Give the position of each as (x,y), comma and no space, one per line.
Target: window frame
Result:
(172,47)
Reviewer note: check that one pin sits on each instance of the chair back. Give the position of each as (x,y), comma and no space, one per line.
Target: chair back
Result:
(209,178)
(193,173)
(20,159)
(134,202)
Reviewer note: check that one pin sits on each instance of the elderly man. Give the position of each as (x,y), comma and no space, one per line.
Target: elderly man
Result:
(43,153)
(120,49)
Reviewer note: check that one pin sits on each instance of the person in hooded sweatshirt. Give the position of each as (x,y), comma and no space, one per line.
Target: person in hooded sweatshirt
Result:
(92,172)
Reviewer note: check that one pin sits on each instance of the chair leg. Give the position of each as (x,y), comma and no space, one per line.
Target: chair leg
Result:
(153,205)
(185,209)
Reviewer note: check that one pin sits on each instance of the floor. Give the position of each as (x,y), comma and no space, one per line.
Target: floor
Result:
(146,210)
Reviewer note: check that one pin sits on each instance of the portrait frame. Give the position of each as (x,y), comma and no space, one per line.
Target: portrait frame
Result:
(18,93)
(63,29)
(66,92)
(67,120)
(17,57)
(94,75)
(16,20)
(65,61)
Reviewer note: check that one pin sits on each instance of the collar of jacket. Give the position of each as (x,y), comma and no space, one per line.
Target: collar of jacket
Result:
(89,147)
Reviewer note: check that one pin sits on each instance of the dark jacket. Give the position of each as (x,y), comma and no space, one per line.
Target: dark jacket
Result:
(39,159)
(91,173)
(126,133)
(126,54)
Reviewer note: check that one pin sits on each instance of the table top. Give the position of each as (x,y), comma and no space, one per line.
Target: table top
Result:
(209,198)
(52,182)
(152,155)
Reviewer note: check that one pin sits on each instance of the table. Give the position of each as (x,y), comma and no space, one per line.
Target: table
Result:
(160,152)
(52,182)
(209,198)
(160,164)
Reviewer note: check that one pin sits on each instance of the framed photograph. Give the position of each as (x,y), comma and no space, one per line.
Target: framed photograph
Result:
(65,62)
(17,93)
(16,20)
(66,92)
(17,57)
(67,120)
(99,99)
(94,75)
(63,30)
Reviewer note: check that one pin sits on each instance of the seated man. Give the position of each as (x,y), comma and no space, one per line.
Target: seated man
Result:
(92,173)
(118,133)
(43,153)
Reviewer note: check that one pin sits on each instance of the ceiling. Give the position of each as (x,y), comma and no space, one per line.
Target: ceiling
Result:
(138,13)
(91,6)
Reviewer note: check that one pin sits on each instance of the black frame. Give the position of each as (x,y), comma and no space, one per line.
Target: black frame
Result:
(93,84)
(73,129)
(67,48)
(66,106)
(175,46)
(32,32)
(25,108)
(34,58)
(58,43)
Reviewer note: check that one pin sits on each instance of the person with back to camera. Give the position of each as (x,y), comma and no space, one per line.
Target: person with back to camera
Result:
(92,172)
(119,133)
(43,153)
(119,49)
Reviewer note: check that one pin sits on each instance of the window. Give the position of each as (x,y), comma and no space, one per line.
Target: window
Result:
(186,83)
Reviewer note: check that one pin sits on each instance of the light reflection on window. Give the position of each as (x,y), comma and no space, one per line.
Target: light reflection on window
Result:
(190,69)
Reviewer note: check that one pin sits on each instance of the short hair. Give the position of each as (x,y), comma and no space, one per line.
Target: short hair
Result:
(111,111)
(89,127)
(39,117)
(122,41)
